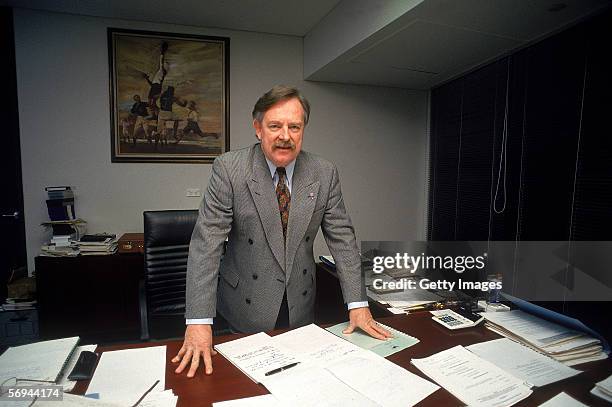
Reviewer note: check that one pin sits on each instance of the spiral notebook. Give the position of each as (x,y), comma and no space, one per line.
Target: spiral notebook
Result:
(42,361)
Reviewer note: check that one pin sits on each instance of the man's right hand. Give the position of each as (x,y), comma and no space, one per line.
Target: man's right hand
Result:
(197,344)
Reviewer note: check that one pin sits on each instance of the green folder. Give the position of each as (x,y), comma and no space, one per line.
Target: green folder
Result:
(400,340)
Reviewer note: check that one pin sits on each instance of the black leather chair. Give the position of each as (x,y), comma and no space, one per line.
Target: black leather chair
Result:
(166,245)
(162,293)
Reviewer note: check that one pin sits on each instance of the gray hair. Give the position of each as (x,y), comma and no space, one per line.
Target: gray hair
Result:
(276,94)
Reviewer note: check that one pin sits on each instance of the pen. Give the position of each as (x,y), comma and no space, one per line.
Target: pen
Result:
(280,369)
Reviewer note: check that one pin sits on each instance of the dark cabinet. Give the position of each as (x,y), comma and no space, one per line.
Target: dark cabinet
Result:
(94,297)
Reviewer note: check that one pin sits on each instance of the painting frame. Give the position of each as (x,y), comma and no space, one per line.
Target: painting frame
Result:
(169,96)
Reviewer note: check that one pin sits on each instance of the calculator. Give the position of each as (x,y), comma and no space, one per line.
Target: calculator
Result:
(456,320)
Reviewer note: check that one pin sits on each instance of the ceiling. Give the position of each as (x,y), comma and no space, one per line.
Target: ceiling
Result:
(413,44)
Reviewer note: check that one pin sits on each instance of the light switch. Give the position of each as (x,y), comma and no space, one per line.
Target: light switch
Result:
(193,192)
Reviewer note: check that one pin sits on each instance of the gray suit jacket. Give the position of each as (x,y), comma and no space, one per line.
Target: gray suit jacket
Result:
(240,203)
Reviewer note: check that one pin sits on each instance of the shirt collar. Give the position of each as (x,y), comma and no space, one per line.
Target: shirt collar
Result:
(288,170)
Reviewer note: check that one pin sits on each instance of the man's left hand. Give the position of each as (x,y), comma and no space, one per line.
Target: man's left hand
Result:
(362,318)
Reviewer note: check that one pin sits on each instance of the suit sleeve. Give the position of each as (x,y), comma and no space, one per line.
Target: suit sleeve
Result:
(212,228)
(340,237)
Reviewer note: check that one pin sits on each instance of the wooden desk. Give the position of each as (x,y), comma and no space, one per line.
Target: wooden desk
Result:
(227,382)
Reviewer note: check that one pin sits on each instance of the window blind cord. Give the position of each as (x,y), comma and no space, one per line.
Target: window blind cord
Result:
(520,192)
(492,160)
(459,159)
(571,226)
(503,153)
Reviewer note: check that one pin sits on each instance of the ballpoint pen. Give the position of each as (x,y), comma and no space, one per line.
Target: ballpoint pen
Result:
(280,369)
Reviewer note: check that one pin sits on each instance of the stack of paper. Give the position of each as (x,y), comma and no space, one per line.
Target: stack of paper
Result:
(105,247)
(473,380)
(563,344)
(603,389)
(523,362)
(322,370)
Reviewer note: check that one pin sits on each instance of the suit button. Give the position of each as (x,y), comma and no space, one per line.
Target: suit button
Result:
(307,238)
(304,271)
(305,292)
(248,300)
(250,241)
(255,276)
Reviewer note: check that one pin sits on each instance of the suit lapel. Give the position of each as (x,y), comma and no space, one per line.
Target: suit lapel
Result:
(262,190)
(303,199)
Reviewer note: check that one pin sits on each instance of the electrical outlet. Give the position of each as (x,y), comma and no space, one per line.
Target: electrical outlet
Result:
(193,192)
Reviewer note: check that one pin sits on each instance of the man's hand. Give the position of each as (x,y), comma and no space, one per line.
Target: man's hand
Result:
(198,343)
(362,318)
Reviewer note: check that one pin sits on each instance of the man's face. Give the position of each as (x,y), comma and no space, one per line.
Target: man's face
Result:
(136,98)
(281,131)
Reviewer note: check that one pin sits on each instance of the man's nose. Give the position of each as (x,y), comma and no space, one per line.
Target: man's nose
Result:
(284,133)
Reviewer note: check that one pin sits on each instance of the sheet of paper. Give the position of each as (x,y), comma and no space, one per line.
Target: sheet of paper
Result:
(408,304)
(123,376)
(316,345)
(606,384)
(471,379)
(63,380)
(563,400)
(267,400)
(164,398)
(400,340)
(37,361)
(597,391)
(406,295)
(71,400)
(314,387)
(522,362)
(255,355)
(537,331)
(383,381)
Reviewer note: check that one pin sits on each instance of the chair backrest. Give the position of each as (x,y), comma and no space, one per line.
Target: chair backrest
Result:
(166,244)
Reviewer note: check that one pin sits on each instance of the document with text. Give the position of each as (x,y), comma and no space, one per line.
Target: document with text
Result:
(472,379)
(523,362)
(256,355)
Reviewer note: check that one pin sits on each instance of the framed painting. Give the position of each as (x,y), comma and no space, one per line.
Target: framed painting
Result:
(169,96)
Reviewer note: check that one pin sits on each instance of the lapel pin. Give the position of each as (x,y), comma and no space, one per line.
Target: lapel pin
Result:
(311,195)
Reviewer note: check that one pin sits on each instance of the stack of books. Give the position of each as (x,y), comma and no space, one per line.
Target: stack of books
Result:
(18,304)
(96,245)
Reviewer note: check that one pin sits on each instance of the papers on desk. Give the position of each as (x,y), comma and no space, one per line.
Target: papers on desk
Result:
(563,344)
(522,362)
(256,355)
(37,361)
(331,371)
(563,400)
(124,376)
(603,389)
(267,400)
(471,379)
(400,340)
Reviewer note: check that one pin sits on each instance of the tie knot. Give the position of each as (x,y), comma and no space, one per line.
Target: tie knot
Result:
(281,173)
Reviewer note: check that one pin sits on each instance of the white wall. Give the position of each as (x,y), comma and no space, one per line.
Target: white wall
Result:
(376,136)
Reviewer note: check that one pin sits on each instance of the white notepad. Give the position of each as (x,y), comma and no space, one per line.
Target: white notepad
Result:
(37,361)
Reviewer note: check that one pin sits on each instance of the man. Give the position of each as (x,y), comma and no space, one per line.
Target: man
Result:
(269,200)
(140,111)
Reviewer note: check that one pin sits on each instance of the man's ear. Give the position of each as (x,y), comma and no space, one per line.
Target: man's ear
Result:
(257,127)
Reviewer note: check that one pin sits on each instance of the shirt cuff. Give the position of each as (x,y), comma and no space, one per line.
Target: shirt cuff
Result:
(357,304)
(205,321)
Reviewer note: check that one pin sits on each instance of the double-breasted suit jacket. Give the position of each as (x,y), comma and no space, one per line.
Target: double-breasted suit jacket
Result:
(258,266)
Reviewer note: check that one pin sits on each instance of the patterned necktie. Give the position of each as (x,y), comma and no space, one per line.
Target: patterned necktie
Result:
(284,199)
